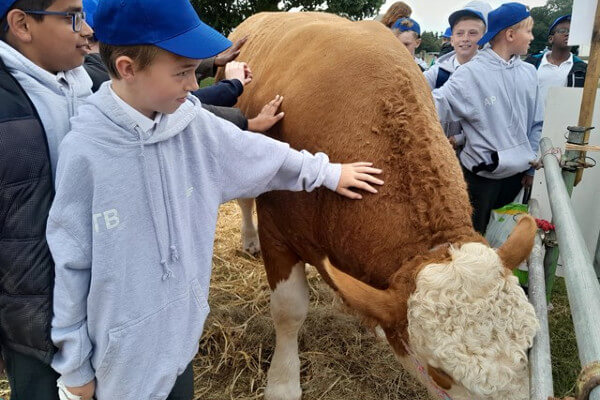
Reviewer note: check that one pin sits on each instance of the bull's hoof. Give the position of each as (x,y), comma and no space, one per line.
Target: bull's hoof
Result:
(283,392)
(251,244)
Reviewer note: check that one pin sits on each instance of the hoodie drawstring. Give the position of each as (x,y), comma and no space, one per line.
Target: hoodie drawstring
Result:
(168,206)
(167,272)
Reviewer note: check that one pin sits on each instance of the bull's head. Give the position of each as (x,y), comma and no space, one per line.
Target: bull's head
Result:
(462,324)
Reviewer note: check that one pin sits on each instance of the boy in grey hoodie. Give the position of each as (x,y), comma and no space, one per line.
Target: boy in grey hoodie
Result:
(467,27)
(139,183)
(495,98)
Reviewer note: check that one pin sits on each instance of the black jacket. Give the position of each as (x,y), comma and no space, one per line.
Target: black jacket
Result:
(576,77)
(26,193)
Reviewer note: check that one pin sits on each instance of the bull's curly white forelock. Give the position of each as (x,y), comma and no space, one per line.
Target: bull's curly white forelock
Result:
(470,318)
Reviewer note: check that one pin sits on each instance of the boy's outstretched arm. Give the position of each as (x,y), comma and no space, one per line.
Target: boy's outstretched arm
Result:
(451,103)
(249,164)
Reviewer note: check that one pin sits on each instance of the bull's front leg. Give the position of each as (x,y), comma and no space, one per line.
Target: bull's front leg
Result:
(289,306)
(250,242)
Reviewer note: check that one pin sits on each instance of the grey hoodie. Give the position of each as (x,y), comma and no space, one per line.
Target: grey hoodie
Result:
(131,231)
(446,62)
(55,97)
(498,106)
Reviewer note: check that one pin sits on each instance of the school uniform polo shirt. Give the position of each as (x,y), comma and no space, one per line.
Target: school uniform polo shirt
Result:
(146,124)
(550,75)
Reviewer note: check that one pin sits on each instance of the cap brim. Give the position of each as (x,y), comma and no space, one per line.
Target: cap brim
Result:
(455,16)
(487,37)
(558,21)
(199,42)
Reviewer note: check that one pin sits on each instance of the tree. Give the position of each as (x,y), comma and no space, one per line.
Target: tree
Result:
(430,42)
(543,17)
(224,15)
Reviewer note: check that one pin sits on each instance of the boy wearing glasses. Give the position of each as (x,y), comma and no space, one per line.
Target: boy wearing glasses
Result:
(42,48)
(558,67)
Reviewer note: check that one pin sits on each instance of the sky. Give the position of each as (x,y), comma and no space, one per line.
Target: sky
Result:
(432,15)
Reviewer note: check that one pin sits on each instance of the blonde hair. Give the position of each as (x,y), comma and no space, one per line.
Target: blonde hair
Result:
(470,318)
(523,24)
(396,11)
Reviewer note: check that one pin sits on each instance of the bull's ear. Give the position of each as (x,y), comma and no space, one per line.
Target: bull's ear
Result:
(367,300)
(519,244)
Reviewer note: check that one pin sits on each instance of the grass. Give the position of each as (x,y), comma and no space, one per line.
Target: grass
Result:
(565,361)
(341,359)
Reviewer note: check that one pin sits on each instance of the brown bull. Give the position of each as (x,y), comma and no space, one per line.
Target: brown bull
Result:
(407,258)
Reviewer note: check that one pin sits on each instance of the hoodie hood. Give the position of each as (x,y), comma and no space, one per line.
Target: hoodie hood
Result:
(55,97)
(446,62)
(101,108)
(494,62)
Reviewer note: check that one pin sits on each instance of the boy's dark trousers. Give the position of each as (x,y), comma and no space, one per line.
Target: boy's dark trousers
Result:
(488,194)
(184,385)
(29,378)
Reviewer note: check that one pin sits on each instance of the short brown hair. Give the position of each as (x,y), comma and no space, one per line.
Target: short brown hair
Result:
(142,55)
(526,23)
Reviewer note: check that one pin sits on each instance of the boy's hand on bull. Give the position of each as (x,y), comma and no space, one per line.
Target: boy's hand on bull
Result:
(238,70)
(267,117)
(358,175)
(231,53)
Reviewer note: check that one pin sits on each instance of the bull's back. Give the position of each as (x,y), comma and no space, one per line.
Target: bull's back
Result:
(353,91)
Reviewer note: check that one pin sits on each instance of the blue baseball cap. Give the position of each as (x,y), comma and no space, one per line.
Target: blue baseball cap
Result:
(407,24)
(505,16)
(171,25)
(465,12)
(558,21)
(5,5)
(89,6)
(447,33)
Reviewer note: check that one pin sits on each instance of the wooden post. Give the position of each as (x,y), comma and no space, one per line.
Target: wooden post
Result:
(586,111)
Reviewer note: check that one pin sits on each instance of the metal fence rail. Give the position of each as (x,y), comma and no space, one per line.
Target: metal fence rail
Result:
(583,288)
(540,363)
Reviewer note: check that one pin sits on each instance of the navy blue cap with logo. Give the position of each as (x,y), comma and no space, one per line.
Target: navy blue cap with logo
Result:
(558,21)
(170,25)
(407,24)
(505,16)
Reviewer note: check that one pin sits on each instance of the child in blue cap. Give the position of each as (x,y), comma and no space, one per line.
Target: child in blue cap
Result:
(558,67)
(467,27)
(446,45)
(139,183)
(408,31)
(495,98)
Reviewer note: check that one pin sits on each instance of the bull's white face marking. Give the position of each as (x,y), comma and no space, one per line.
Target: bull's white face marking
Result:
(289,306)
(250,241)
(471,319)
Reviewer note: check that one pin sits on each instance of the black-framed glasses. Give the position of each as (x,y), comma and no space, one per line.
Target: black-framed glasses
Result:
(77,17)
